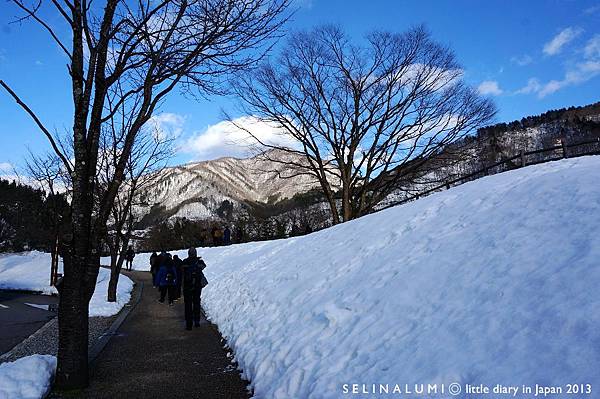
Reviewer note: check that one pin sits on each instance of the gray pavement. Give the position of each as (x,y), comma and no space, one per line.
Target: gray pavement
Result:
(22,314)
(152,356)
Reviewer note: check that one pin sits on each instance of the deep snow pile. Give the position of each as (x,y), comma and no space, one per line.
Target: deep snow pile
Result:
(31,271)
(27,378)
(492,282)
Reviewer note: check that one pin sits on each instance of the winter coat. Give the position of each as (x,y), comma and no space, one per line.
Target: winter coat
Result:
(227,236)
(192,267)
(163,274)
(154,264)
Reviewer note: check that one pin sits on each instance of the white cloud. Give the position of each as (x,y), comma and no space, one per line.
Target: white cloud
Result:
(588,67)
(580,73)
(7,172)
(166,124)
(550,87)
(555,45)
(533,86)
(489,87)
(592,9)
(230,138)
(5,167)
(592,48)
(522,60)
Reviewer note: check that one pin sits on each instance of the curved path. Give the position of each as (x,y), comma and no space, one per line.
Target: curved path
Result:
(153,356)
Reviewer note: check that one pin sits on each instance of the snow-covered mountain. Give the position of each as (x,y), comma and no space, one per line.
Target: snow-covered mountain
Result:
(211,189)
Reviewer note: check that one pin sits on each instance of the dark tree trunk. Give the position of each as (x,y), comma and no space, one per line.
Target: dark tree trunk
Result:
(116,264)
(72,371)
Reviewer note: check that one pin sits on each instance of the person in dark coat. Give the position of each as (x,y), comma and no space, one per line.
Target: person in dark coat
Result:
(166,280)
(226,236)
(154,266)
(178,263)
(129,255)
(193,282)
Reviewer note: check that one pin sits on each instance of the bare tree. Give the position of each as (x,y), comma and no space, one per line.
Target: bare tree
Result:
(49,173)
(150,152)
(130,55)
(370,115)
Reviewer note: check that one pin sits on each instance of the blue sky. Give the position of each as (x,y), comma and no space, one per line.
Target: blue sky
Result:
(530,56)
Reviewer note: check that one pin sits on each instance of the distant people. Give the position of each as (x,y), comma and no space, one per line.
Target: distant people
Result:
(217,236)
(193,282)
(178,263)
(166,280)
(154,265)
(129,255)
(226,236)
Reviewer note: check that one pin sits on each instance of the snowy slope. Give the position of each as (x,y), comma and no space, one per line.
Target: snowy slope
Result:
(492,282)
(30,271)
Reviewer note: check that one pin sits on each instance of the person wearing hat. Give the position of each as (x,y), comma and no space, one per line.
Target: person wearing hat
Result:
(193,282)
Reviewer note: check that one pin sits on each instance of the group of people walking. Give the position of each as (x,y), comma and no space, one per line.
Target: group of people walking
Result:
(174,277)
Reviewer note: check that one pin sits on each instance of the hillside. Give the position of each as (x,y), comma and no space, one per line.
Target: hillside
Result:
(217,188)
(491,282)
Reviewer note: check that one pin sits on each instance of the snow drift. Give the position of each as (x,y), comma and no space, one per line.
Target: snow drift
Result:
(492,282)
(27,378)
(30,271)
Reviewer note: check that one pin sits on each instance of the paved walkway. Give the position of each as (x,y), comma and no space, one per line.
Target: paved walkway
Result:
(153,356)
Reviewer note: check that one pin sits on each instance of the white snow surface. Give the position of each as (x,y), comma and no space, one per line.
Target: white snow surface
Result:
(27,378)
(30,271)
(492,282)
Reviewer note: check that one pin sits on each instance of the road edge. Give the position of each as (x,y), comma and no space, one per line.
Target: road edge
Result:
(105,338)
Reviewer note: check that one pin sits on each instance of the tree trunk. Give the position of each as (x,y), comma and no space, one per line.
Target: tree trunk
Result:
(111,295)
(116,264)
(346,206)
(72,371)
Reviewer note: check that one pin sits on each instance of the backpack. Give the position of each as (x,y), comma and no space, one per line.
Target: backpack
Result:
(170,277)
(194,276)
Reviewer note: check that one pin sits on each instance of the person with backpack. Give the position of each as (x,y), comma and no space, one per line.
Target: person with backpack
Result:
(166,280)
(178,263)
(154,265)
(193,282)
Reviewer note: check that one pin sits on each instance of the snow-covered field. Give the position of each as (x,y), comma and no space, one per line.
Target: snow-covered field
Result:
(492,282)
(31,271)
(28,377)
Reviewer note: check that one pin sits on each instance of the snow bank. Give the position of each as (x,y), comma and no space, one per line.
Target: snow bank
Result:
(492,282)
(27,378)
(31,271)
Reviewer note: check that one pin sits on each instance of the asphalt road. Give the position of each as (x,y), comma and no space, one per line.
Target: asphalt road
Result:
(19,319)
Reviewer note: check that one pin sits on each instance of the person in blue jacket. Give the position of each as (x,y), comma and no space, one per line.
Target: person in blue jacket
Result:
(166,280)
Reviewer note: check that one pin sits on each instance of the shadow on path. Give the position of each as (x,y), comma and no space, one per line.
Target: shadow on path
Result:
(153,356)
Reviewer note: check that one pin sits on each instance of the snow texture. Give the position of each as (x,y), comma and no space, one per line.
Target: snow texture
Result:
(27,378)
(492,282)
(30,271)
